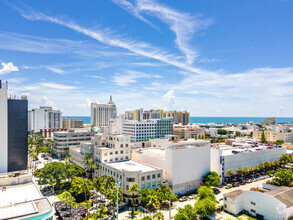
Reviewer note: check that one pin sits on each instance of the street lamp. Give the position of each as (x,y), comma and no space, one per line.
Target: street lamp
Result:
(117,187)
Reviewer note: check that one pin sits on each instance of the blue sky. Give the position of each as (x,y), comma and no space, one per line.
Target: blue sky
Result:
(210,57)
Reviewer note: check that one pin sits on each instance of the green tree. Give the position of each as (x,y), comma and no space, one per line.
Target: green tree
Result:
(89,165)
(206,192)
(101,212)
(134,189)
(53,173)
(68,199)
(284,159)
(279,142)
(212,179)
(163,193)
(80,188)
(245,171)
(283,177)
(205,207)
(222,131)
(263,138)
(230,173)
(239,171)
(159,216)
(187,212)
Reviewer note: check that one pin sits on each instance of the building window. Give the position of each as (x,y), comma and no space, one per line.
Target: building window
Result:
(126,145)
(126,157)
(252,210)
(121,177)
(225,206)
(105,154)
(121,158)
(131,180)
(252,203)
(159,175)
(142,178)
(225,198)
(116,152)
(148,177)
(116,158)
(154,184)
(121,145)
(154,176)
(105,161)
(121,152)
(142,186)
(111,160)
(127,187)
(148,185)
(111,153)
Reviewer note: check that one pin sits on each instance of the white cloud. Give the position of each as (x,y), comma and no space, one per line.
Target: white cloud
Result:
(56,70)
(44,101)
(182,24)
(131,76)
(8,68)
(169,100)
(97,77)
(102,36)
(57,86)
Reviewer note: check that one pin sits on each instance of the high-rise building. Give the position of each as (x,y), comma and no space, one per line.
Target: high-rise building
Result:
(148,129)
(179,117)
(102,113)
(13,131)
(44,118)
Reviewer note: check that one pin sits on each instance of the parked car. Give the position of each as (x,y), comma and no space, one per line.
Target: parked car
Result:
(242,182)
(38,162)
(46,158)
(249,181)
(228,186)
(183,199)
(236,184)
(191,196)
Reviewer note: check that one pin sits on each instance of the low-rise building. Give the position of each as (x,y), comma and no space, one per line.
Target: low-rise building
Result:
(129,172)
(269,204)
(21,199)
(188,131)
(183,165)
(224,157)
(71,123)
(68,139)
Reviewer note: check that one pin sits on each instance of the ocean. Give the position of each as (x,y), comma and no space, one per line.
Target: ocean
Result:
(205,120)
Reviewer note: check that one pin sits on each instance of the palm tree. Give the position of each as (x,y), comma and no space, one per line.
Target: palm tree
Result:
(153,201)
(134,189)
(89,165)
(230,173)
(163,192)
(144,195)
(159,216)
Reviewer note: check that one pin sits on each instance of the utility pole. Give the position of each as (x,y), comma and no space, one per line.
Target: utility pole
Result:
(170,206)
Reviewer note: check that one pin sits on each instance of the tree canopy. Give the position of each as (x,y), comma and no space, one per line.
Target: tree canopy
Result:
(212,179)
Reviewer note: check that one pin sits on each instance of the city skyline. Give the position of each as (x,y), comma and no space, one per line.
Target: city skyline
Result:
(207,57)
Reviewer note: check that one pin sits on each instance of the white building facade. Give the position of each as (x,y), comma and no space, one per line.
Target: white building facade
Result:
(223,159)
(101,114)
(183,166)
(44,118)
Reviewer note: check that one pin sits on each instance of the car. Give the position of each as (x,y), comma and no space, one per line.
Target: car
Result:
(242,182)
(228,186)
(216,191)
(46,158)
(236,184)
(38,162)
(249,181)
(183,199)
(191,196)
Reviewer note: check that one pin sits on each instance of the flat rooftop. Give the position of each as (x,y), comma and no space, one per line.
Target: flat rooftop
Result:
(156,153)
(19,194)
(227,149)
(131,165)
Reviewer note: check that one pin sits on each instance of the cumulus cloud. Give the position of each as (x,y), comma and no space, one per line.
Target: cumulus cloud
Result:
(44,101)
(169,100)
(8,68)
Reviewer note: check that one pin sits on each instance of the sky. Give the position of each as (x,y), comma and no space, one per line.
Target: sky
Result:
(209,57)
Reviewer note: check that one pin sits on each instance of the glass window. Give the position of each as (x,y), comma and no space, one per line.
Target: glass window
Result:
(159,175)
(148,177)
(148,185)
(121,145)
(127,187)
(153,183)
(116,158)
(121,152)
(111,153)
(142,178)
(142,186)
(154,176)
(130,179)
(105,161)
(126,157)
(126,145)
(116,152)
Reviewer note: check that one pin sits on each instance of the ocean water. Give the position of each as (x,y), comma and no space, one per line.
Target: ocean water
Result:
(205,120)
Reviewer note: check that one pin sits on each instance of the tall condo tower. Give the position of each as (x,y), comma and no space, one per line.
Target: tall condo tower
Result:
(13,131)
(101,114)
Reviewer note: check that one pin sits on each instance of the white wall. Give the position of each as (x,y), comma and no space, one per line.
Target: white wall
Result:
(3,128)
(266,205)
